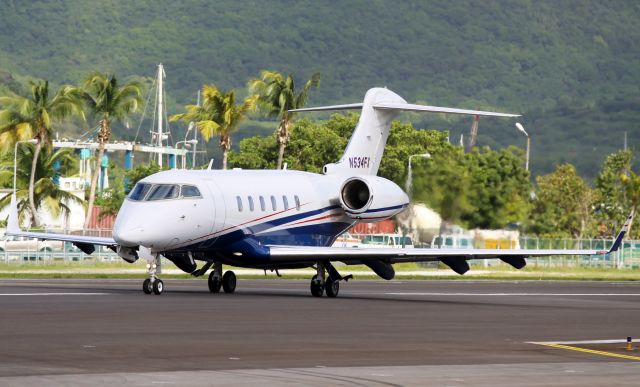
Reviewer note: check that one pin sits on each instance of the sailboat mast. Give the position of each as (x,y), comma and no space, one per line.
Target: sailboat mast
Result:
(195,143)
(159,133)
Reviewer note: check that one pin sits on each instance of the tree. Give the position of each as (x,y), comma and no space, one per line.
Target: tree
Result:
(46,193)
(108,101)
(563,204)
(613,206)
(31,117)
(444,184)
(631,184)
(219,114)
(499,189)
(276,96)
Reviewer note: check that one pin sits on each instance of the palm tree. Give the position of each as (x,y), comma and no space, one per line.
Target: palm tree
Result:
(276,96)
(219,114)
(46,193)
(106,99)
(31,117)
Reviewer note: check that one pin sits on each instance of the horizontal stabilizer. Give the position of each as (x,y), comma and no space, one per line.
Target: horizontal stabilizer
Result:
(408,107)
(350,106)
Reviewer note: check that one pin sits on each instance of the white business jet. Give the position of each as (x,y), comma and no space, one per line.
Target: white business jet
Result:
(279,219)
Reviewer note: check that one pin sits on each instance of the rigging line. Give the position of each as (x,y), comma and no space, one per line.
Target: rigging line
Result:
(166,117)
(89,133)
(146,105)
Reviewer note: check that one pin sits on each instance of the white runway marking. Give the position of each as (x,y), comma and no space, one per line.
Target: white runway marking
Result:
(53,294)
(614,341)
(512,294)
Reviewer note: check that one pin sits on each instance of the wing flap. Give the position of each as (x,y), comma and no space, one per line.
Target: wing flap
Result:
(76,239)
(393,255)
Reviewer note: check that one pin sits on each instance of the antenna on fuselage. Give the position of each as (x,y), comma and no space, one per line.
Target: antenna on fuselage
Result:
(210,166)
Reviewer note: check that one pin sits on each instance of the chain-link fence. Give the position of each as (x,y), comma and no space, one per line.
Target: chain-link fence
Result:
(25,250)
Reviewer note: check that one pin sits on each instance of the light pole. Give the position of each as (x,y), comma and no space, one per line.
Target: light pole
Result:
(186,145)
(15,160)
(521,128)
(408,183)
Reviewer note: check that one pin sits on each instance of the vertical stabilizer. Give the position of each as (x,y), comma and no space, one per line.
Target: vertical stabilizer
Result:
(379,108)
(366,146)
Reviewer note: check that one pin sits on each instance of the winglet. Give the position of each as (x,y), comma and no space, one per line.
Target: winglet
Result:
(13,224)
(625,229)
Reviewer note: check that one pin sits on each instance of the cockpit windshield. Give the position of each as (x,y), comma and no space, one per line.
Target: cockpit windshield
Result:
(163,191)
(190,191)
(149,192)
(139,191)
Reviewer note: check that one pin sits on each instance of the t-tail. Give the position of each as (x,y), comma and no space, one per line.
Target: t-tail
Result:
(380,106)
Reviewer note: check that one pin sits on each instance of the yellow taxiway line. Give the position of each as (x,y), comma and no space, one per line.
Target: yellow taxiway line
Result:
(593,351)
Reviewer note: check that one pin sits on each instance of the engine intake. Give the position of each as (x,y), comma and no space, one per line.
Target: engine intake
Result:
(356,195)
(371,198)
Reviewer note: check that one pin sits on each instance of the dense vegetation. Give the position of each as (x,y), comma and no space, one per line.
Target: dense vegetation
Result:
(482,189)
(571,67)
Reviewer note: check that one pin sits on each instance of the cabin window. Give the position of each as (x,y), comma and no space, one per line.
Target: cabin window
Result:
(285,202)
(263,207)
(274,205)
(163,191)
(239,200)
(190,191)
(250,198)
(297,199)
(139,191)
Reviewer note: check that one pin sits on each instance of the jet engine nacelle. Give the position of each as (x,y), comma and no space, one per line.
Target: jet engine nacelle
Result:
(372,198)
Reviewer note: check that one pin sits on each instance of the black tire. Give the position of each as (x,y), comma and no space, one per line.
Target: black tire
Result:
(229,282)
(317,288)
(332,288)
(158,287)
(146,286)
(214,283)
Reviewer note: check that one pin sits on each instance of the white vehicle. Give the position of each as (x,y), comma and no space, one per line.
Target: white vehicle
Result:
(19,243)
(346,240)
(277,219)
(452,242)
(396,241)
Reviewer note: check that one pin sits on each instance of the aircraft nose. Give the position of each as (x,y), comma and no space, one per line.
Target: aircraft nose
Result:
(128,236)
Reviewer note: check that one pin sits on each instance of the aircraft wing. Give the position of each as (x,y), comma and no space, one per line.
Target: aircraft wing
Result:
(396,255)
(454,258)
(380,259)
(83,242)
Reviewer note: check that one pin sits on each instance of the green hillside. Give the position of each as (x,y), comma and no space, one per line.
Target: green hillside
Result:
(571,67)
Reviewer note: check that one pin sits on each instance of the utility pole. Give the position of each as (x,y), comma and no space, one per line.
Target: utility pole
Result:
(473,133)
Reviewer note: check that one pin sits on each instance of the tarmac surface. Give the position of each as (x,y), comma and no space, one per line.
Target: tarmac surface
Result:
(272,332)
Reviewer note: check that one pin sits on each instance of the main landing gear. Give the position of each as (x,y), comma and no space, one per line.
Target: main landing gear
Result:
(216,280)
(332,283)
(153,284)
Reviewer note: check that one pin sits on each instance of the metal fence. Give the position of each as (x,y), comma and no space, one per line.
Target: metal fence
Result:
(627,257)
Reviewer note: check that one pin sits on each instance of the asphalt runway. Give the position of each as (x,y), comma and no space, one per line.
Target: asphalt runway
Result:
(272,332)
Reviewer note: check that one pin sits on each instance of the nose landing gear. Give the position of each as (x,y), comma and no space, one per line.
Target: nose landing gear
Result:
(153,284)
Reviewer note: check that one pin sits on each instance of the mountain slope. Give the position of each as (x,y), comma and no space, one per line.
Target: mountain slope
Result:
(559,63)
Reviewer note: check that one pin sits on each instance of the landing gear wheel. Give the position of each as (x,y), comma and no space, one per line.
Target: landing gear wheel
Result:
(147,288)
(214,283)
(229,282)
(158,287)
(317,287)
(332,288)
